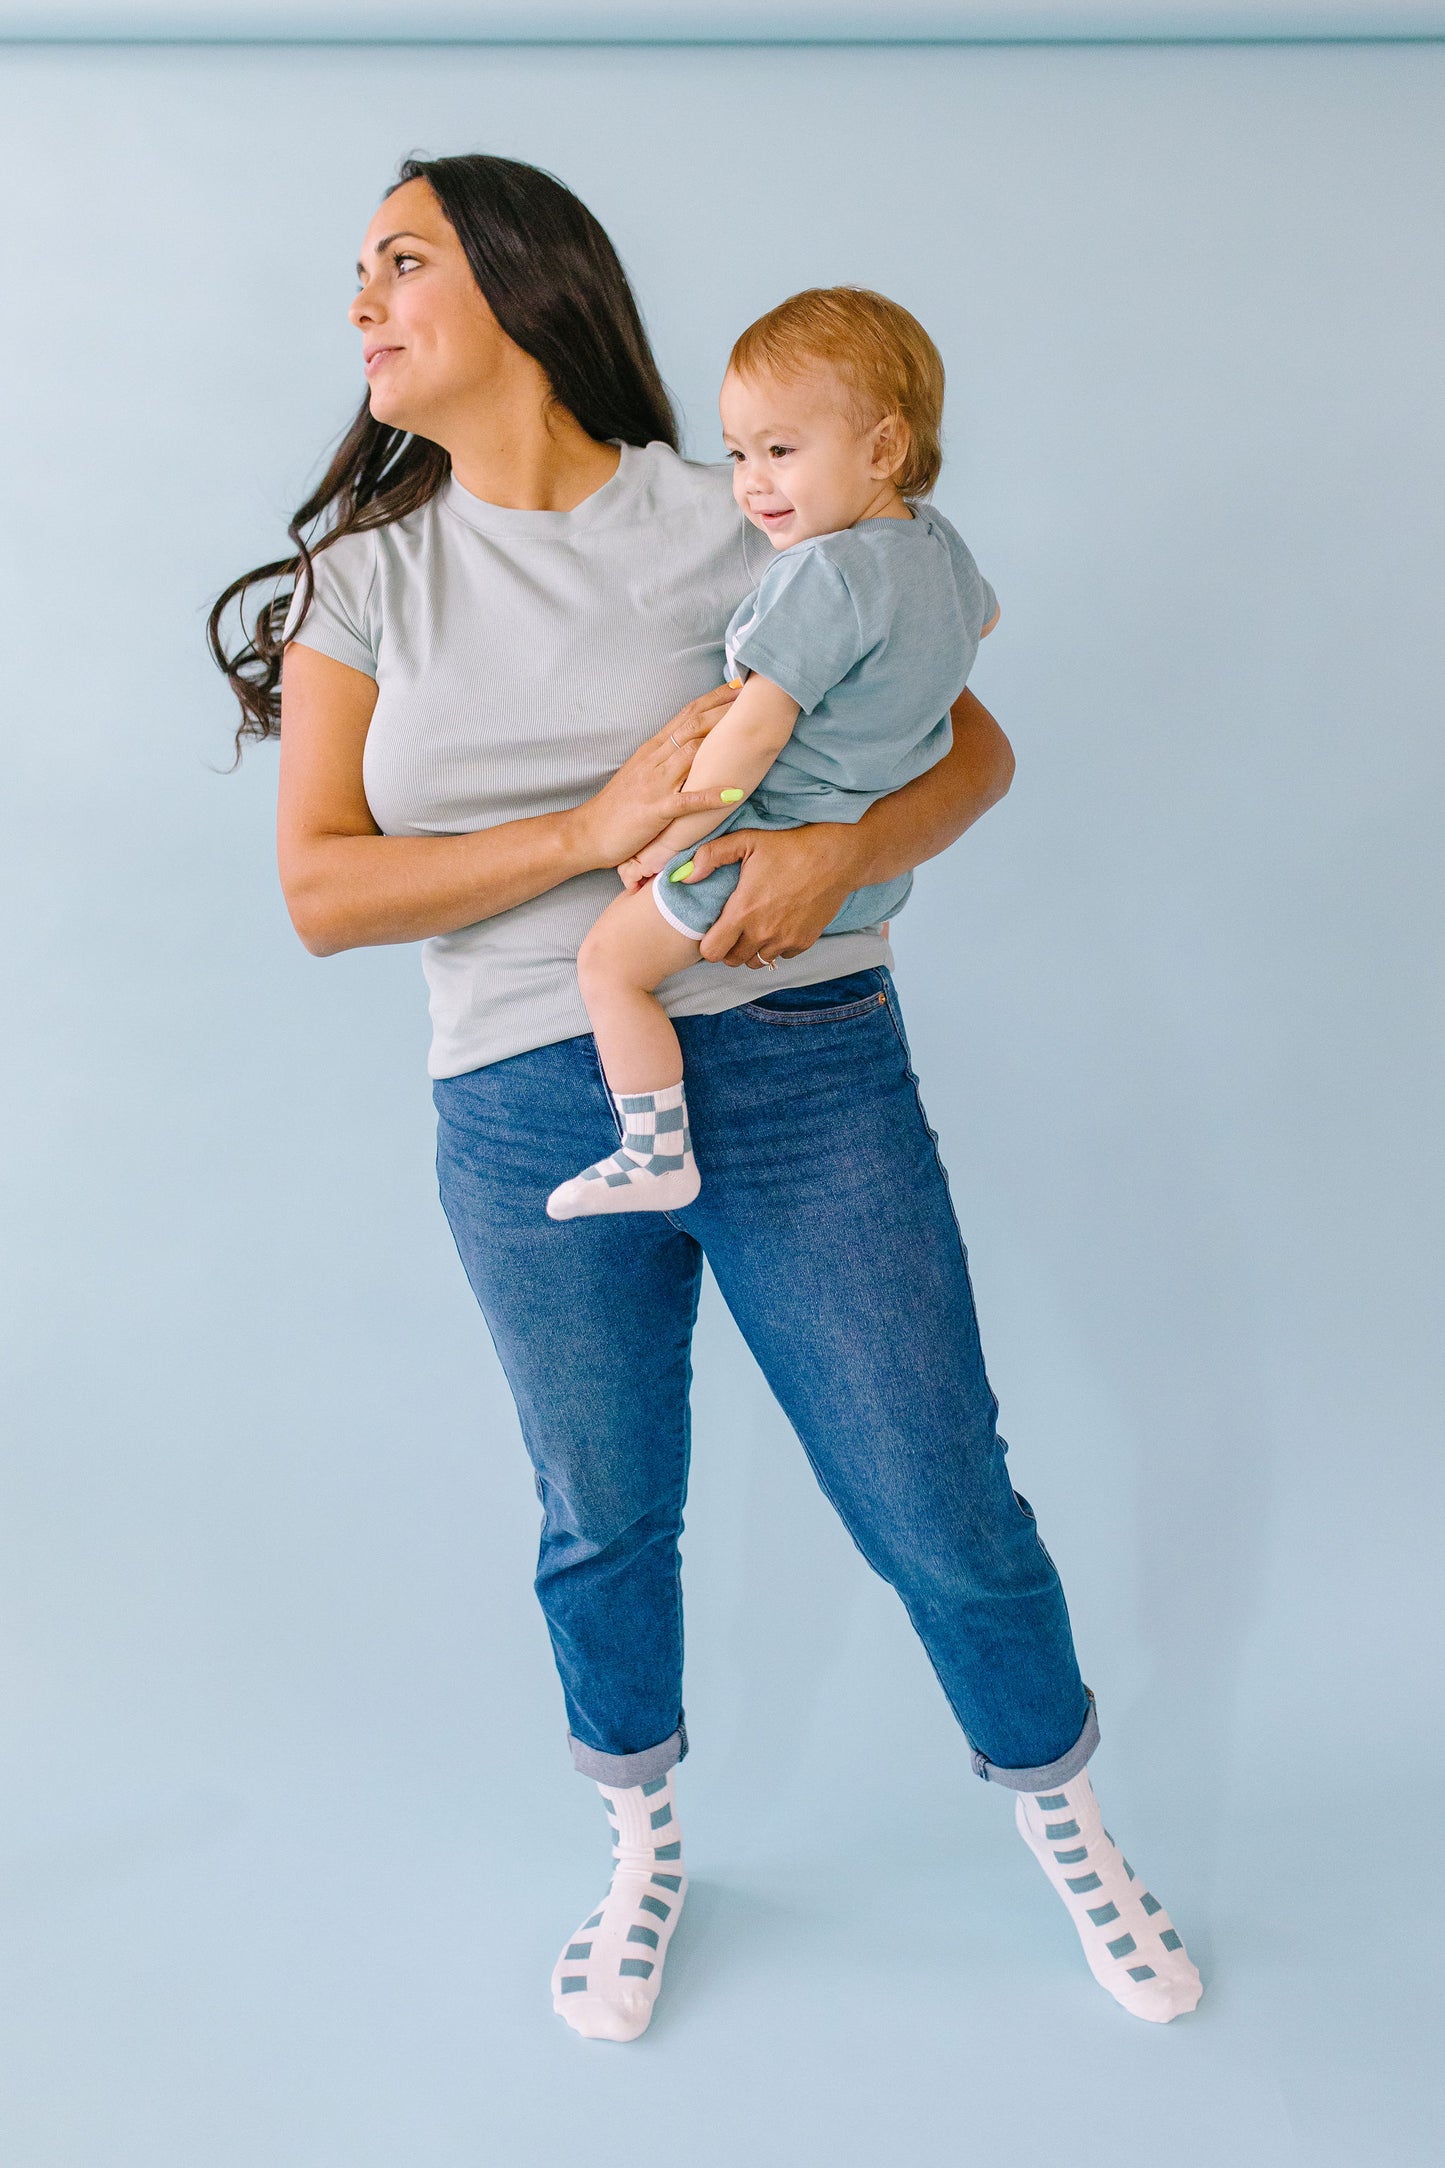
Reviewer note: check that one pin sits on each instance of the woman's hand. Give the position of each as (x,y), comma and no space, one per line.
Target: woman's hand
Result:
(646,793)
(792,883)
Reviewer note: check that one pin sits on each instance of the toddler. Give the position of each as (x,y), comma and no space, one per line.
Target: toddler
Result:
(857,641)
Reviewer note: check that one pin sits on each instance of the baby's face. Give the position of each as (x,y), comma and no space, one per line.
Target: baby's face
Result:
(801,466)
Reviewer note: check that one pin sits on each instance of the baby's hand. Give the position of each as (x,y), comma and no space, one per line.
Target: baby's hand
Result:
(649,861)
(633,874)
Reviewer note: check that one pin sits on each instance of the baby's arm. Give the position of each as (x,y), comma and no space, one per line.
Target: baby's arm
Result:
(735,755)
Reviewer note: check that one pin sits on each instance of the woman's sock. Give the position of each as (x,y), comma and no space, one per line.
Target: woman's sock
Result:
(606,1979)
(1129,1940)
(653,1171)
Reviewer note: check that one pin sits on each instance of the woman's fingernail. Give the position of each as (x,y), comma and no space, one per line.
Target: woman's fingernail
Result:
(680,873)
(736,684)
(733,797)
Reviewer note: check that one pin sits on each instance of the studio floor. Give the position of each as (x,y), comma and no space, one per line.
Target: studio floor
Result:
(283,1983)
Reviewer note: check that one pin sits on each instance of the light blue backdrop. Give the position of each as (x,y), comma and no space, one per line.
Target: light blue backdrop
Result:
(289,1837)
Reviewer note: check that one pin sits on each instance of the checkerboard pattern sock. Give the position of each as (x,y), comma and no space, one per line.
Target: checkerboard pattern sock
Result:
(606,1979)
(653,1171)
(1131,1945)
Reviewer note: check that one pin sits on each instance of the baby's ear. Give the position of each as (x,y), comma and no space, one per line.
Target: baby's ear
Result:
(892,439)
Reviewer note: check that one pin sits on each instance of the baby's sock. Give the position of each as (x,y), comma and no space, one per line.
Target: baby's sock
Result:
(1129,1940)
(652,1171)
(606,1979)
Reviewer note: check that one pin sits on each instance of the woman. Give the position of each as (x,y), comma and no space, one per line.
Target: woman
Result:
(517,579)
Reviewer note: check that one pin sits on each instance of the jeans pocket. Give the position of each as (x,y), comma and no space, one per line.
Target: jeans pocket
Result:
(832,1001)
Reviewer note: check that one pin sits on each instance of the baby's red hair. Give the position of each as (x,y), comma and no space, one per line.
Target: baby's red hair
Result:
(883,357)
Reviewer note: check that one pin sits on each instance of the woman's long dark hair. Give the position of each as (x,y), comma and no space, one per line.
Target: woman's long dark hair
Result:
(551,278)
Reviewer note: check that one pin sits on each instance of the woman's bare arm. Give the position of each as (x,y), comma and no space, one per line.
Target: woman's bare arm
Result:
(793,883)
(348,886)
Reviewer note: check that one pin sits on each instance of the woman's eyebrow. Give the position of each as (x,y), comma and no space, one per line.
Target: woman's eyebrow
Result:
(385,243)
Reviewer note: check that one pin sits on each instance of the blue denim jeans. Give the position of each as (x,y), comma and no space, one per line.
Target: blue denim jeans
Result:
(825,1216)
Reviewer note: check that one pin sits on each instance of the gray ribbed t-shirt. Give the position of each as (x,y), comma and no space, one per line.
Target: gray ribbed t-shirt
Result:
(519,658)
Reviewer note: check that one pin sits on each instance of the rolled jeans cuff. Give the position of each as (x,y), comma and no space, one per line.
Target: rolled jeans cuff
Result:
(624,1770)
(1051,1773)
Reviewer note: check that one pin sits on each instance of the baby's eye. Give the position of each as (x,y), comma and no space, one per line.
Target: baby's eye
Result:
(779,451)
(736,458)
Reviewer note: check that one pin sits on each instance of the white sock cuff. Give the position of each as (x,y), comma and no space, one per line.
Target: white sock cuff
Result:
(655,1102)
(644,1817)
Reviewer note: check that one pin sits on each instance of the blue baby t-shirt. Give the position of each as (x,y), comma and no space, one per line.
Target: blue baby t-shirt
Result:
(873,631)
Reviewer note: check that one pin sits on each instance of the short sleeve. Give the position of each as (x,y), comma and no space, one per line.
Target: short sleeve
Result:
(805,632)
(339,622)
(980,603)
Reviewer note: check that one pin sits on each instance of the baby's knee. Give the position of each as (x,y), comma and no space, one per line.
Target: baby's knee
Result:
(601,960)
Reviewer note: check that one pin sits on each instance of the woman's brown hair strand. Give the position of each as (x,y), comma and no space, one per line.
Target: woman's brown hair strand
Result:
(553,281)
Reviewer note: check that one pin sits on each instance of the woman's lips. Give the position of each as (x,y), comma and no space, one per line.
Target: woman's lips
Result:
(372,362)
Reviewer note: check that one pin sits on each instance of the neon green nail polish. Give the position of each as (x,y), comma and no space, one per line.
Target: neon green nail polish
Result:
(680,873)
(733,797)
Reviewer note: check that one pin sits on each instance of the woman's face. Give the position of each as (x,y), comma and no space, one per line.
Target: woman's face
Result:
(431,345)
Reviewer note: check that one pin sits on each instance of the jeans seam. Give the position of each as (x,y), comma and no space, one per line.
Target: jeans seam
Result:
(932,1135)
(606,1088)
(685,1432)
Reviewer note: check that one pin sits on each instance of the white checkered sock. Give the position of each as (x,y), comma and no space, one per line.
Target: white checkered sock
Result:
(606,1979)
(652,1171)
(1129,1940)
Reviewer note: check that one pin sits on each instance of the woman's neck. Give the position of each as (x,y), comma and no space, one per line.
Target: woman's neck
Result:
(540,460)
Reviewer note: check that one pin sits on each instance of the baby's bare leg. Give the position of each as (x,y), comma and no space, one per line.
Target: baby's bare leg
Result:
(631,950)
